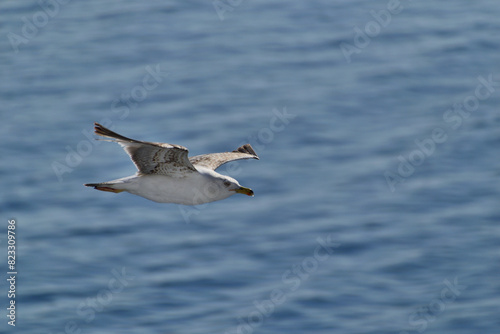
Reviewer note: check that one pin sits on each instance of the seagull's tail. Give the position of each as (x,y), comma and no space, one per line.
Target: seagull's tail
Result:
(105,186)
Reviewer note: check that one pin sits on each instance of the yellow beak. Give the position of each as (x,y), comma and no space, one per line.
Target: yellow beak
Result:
(243,190)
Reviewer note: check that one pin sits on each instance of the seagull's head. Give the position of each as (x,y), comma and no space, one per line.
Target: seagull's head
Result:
(218,186)
(231,185)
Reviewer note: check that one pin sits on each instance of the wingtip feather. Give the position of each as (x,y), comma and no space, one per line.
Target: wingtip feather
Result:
(248,149)
(105,132)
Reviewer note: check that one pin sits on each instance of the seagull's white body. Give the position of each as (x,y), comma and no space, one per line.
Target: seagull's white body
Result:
(193,189)
(166,175)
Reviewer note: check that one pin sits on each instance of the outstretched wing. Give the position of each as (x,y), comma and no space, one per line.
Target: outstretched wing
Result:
(215,160)
(151,158)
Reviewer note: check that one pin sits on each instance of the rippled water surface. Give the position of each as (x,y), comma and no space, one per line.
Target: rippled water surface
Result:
(376,206)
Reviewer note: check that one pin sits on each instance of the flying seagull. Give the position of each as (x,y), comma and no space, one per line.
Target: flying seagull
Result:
(165,174)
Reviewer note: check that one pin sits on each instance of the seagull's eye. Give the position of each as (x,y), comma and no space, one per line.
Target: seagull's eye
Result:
(227,183)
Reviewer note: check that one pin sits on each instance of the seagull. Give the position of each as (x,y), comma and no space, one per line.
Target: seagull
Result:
(165,174)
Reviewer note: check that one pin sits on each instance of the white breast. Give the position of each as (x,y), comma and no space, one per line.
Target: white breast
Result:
(193,189)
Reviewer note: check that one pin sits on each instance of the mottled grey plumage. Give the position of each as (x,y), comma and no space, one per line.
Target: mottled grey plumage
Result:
(169,159)
(152,158)
(215,160)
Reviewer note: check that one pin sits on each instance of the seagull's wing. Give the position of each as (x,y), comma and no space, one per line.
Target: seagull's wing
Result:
(151,158)
(215,160)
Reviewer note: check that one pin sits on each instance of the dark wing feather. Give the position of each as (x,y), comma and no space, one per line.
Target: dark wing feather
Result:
(151,158)
(215,160)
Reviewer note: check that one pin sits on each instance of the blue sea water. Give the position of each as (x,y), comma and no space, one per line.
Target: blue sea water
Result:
(376,194)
